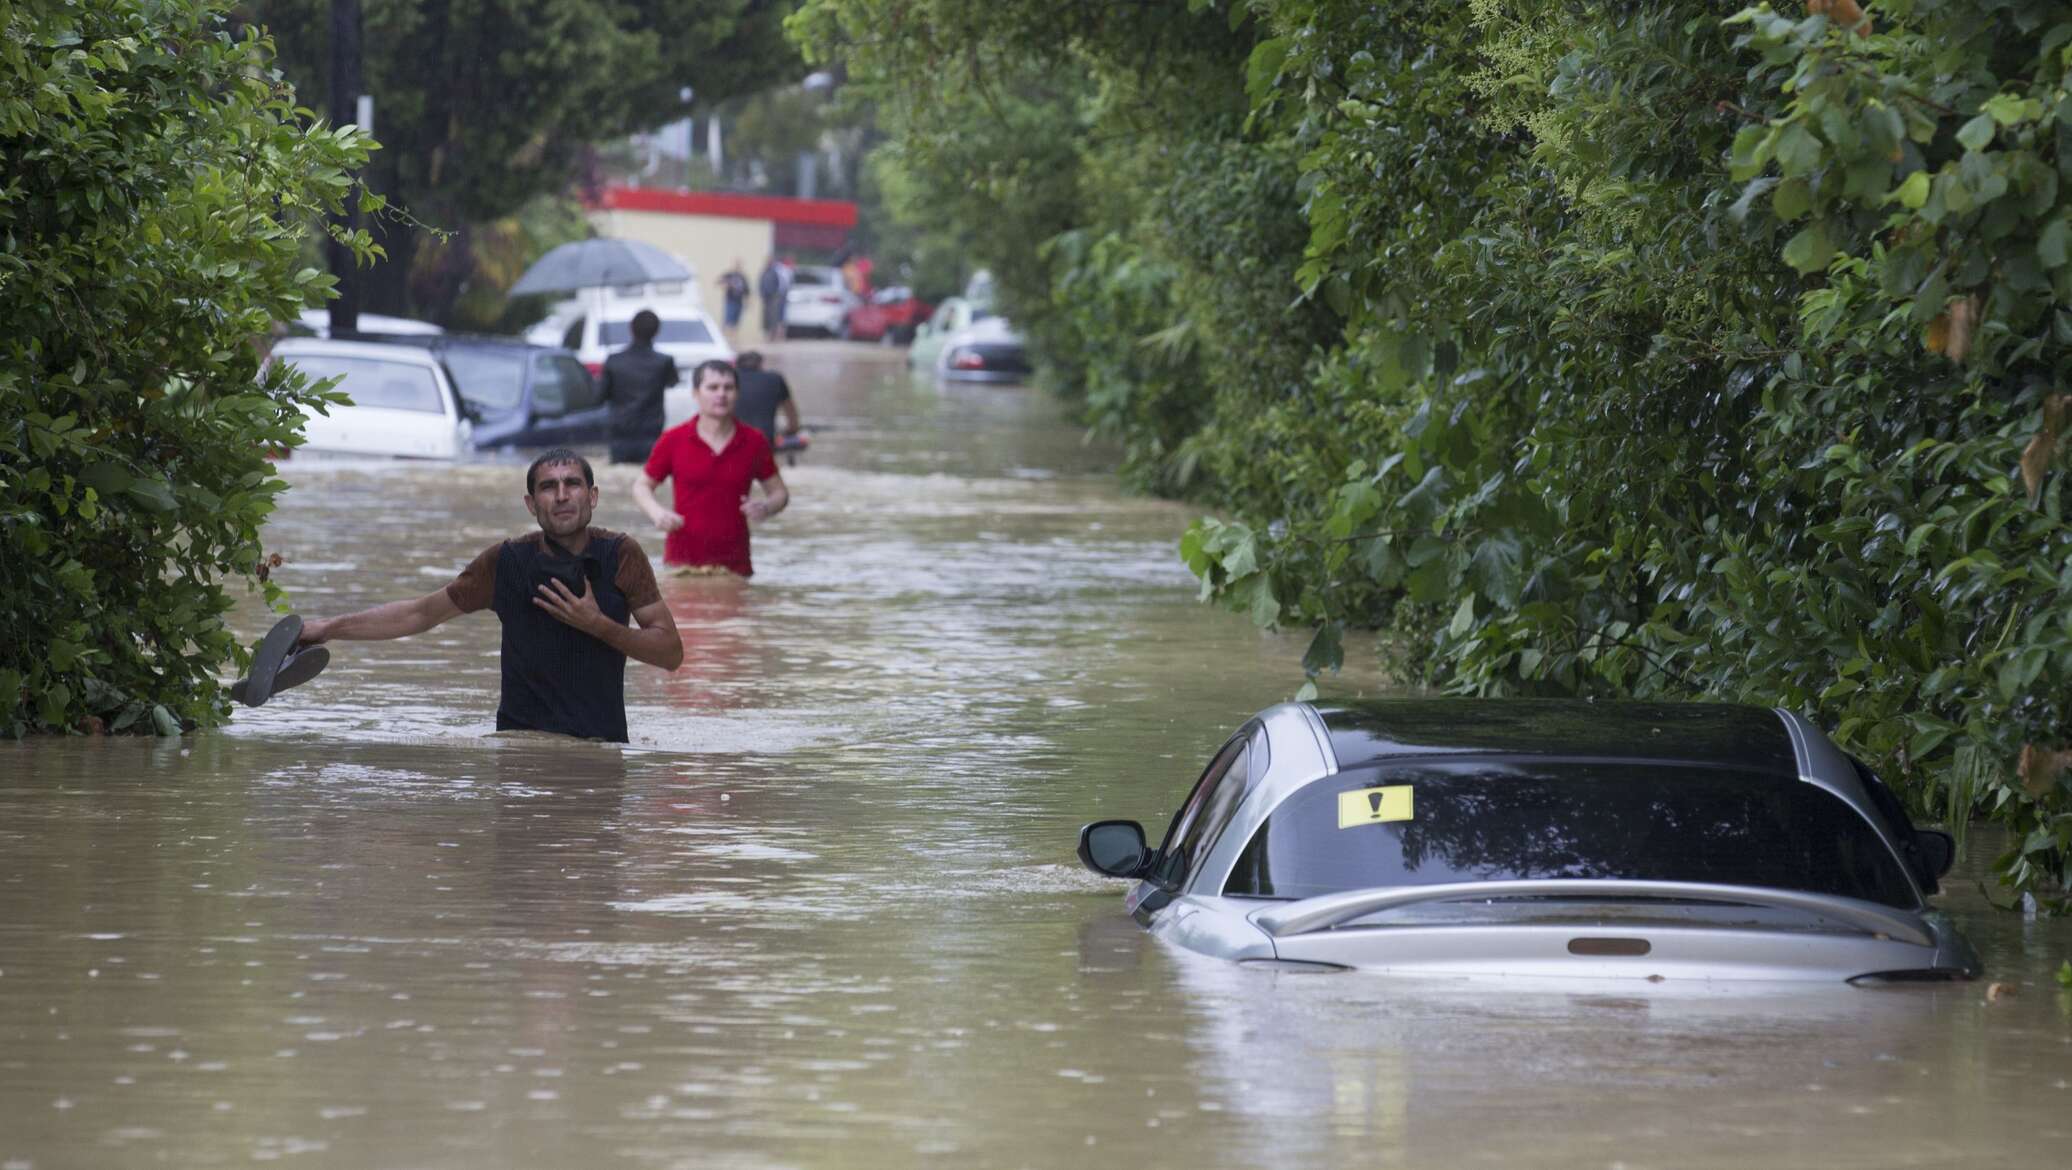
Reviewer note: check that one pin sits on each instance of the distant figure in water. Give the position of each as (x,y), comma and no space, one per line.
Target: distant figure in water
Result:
(563,595)
(714,464)
(763,396)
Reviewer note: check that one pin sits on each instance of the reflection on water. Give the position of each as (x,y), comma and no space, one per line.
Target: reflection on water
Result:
(823,912)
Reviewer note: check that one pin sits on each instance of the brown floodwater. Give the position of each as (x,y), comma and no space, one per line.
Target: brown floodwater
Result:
(823,911)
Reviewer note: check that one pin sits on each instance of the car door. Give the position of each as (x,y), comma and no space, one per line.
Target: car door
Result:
(550,401)
(587,414)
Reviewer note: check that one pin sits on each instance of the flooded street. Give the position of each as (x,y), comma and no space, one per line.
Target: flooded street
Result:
(823,911)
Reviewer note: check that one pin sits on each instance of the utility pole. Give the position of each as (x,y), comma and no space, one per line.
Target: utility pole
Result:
(690,133)
(345,102)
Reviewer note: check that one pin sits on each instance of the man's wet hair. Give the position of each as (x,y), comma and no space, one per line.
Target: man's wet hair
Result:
(645,325)
(749,359)
(560,455)
(727,368)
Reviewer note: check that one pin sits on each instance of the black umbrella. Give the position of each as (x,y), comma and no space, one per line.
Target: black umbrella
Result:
(595,263)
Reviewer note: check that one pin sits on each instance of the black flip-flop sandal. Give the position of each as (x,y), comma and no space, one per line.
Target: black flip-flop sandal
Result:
(255,688)
(301,666)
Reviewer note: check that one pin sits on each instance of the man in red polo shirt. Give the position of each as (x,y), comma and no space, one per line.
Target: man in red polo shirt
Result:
(713,462)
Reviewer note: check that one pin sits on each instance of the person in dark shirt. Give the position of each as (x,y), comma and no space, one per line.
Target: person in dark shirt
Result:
(733,284)
(634,379)
(763,396)
(563,595)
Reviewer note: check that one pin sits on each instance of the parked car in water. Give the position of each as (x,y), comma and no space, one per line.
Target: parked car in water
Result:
(953,316)
(890,315)
(524,395)
(593,327)
(989,351)
(818,302)
(1550,838)
(403,401)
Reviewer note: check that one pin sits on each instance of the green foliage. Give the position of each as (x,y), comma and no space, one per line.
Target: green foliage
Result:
(483,105)
(1659,351)
(157,185)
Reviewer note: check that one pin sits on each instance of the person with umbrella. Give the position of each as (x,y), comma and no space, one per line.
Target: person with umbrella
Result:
(635,377)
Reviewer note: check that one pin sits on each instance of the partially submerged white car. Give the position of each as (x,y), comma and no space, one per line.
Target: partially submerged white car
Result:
(403,402)
(1543,838)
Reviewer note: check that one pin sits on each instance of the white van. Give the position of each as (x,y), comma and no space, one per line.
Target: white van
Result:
(596,327)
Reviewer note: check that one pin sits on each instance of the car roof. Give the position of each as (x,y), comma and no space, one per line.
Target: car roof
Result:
(1752,738)
(480,341)
(993,328)
(319,320)
(412,354)
(1310,742)
(660,308)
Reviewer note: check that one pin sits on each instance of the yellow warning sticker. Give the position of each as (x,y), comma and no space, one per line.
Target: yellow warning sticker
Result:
(1374,806)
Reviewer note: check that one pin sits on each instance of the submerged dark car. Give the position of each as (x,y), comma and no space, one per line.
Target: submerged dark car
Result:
(1655,841)
(524,395)
(989,351)
(516,394)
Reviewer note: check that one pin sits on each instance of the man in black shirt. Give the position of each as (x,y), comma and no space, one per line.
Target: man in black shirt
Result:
(563,595)
(634,379)
(763,395)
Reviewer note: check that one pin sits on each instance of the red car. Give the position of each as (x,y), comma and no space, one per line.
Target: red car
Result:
(888,316)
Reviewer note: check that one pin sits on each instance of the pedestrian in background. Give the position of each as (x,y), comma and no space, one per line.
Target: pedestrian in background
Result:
(771,286)
(634,379)
(713,464)
(765,395)
(733,286)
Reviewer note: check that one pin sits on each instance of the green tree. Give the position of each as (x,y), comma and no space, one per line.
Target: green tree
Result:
(481,105)
(158,185)
(1664,351)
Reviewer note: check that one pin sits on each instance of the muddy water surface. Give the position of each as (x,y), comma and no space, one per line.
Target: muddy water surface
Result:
(823,912)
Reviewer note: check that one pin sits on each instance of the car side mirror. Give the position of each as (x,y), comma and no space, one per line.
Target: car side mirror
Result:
(1938,850)
(1114,848)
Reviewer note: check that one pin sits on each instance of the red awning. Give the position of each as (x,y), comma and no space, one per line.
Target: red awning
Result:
(805,213)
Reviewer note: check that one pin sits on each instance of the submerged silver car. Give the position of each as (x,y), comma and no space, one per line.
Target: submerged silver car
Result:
(1546,838)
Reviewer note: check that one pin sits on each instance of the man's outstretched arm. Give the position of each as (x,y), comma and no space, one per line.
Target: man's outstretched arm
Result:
(397,619)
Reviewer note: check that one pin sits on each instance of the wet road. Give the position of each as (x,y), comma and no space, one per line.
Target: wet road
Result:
(823,911)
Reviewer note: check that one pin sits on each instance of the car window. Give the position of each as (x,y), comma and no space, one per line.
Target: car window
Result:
(549,388)
(582,390)
(573,339)
(1895,814)
(1209,807)
(674,330)
(1433,823)
(493,379)
(376,383)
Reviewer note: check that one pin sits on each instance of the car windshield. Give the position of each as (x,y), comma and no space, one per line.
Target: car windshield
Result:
(675,330)
(376,383)
(1470,821)
(493,379)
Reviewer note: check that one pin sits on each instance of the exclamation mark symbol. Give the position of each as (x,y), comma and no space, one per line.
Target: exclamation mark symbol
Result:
(1374,800)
